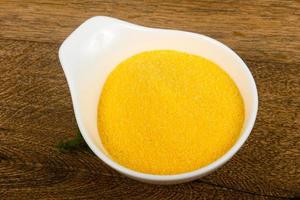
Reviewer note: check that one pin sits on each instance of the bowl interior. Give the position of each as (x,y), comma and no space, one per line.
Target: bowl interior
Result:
(94,49)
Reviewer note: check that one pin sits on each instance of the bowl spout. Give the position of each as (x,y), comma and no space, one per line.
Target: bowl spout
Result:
(91,40)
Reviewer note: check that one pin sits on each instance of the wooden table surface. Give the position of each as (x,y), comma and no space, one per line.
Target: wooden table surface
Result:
(36,110)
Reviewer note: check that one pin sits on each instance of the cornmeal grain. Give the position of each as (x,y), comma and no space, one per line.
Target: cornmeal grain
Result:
(168,112)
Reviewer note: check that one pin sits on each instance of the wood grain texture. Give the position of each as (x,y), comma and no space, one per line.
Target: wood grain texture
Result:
(36,110)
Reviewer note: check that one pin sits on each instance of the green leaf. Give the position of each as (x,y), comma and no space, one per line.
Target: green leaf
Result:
(73,144)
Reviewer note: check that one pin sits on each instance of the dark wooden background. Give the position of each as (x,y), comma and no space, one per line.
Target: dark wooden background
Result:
(36,110)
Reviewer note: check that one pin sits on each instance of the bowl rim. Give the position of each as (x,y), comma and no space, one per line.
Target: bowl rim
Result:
(172,177)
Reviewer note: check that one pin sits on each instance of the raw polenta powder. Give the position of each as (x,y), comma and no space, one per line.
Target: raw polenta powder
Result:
(167,112)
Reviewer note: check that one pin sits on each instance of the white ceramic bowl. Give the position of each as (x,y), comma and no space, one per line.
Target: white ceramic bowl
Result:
(91,52)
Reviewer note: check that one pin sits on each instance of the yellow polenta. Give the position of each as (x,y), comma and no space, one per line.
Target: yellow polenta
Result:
(169,112)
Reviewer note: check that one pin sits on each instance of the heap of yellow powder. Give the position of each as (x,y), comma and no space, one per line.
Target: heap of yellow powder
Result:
(169,112)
